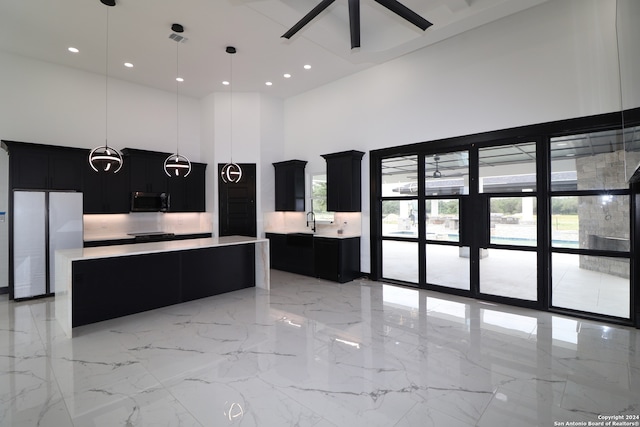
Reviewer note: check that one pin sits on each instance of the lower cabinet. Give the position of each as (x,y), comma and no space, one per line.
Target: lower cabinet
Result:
(107,288)
(213,271)
(335,259)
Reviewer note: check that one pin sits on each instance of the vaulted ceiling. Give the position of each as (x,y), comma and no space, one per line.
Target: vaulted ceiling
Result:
(139,33)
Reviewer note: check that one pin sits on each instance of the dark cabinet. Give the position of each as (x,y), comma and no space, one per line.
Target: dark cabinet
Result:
(337,259)
(290,191)
(146,170)
(106,288)
(106,193)
(292,252)
(328,258)
(45,167)
(188,193)
(213,271)
(344,181)
(48,167)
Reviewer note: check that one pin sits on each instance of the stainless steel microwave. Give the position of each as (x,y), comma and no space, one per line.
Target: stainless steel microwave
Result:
(149,202)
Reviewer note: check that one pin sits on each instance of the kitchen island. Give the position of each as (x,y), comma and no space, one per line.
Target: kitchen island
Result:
(100,283)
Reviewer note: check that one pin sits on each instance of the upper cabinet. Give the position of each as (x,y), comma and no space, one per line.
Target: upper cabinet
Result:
(106,193)
(49,167)
(290,192)
(188,193)
(146,170)
(45,167)
(344,181)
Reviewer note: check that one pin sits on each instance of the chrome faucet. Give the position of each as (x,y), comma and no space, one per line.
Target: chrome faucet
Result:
(312,220)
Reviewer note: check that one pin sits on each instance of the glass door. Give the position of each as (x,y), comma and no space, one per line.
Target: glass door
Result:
(508,230)
(399,219)
(447,253)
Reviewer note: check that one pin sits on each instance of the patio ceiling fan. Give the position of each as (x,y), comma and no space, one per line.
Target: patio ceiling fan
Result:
(354,17)
(437,173)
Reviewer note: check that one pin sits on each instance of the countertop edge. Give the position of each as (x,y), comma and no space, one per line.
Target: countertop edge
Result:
(321,236)
(155,247)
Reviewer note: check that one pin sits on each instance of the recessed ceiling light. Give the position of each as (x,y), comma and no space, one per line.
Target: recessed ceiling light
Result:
(226,83)
(570,155)
(286,75)
(73,49)
(307,67)
(180,79)
(268,83)
(128,64)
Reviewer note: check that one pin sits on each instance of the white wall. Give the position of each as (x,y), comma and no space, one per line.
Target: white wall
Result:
(50,104)
(251,134)
(552,62)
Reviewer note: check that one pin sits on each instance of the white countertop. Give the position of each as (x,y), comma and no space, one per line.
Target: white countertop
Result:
(323,235)
(154,247)
(126,236)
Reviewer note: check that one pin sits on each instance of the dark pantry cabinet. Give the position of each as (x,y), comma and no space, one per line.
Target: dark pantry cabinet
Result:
(344,181)
(290,192)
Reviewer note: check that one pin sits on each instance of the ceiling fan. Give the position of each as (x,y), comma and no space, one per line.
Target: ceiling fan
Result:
(354,17)
(437,173)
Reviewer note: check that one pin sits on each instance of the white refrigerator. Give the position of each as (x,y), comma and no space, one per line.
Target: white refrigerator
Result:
(43,222)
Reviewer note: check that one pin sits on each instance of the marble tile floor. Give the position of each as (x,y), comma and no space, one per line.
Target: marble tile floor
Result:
(314,353)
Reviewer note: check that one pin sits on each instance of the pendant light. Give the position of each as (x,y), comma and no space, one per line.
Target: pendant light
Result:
(231,172)
(104,158)
(177,165)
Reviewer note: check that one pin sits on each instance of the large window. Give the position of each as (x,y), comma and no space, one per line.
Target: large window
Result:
(590,223)
(539,216)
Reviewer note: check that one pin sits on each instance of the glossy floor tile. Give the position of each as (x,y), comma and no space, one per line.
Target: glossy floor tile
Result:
(315,353)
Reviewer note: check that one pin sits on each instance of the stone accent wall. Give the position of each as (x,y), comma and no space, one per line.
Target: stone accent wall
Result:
(603,223)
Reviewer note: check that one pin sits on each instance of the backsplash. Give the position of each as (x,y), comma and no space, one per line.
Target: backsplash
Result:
(287,222)
(119,225)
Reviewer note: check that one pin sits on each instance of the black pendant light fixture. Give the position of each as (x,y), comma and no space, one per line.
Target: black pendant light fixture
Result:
(104,158)
(231,172)
(177,165)
(354,17)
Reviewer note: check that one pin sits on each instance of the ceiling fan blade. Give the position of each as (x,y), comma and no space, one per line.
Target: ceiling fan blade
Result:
(406,13)
(307,18)
(354,22)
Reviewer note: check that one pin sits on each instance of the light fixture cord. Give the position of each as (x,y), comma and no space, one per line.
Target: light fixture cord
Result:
(621,92)
(106,87)
(231,107)
(177,100)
